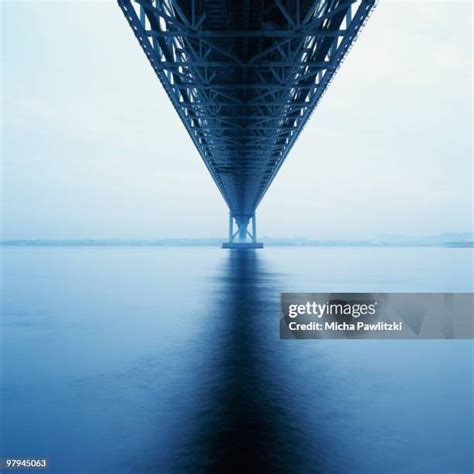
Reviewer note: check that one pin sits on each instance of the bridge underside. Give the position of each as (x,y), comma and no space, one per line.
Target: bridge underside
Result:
(244,76)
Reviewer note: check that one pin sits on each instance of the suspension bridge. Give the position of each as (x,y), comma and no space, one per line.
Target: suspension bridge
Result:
(244,77)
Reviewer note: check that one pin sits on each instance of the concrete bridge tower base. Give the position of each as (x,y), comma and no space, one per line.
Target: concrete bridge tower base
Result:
(242,238)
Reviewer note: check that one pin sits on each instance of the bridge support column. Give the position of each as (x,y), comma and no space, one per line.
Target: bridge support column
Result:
(231,227)
(238,239)
(254,229)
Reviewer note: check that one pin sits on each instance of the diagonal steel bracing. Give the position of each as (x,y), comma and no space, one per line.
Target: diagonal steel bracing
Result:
(244,77)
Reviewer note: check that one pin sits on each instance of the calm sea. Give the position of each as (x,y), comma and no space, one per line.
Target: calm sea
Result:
(168,360)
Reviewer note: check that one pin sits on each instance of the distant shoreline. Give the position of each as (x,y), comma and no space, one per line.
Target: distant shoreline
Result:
(218,242)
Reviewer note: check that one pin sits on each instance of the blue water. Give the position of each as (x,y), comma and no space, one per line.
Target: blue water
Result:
(168,360)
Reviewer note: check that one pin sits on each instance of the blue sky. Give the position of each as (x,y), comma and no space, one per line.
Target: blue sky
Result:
(91,146)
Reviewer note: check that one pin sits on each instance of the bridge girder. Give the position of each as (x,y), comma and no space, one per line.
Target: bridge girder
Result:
(245,77)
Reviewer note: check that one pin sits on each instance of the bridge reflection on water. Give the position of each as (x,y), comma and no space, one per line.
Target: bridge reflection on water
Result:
(246,422)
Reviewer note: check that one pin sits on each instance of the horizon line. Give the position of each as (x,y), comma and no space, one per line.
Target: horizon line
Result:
(450,240)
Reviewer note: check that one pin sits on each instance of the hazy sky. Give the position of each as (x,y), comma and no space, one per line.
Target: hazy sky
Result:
(91,146)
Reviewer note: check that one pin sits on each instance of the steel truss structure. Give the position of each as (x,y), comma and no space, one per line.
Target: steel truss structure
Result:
(244,77)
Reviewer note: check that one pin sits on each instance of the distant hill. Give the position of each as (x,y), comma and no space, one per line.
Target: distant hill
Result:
(458,240)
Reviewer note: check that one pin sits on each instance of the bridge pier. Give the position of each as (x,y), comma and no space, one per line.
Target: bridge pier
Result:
(238,239)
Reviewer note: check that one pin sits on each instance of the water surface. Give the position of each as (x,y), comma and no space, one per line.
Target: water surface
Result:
(157,360)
